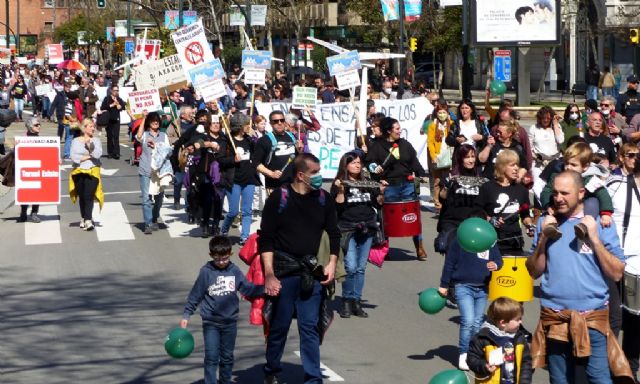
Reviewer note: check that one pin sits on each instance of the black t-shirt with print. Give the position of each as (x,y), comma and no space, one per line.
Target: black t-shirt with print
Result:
(284,149)
(603,145)
(358,204)
(459,204)
(489,167)
(245,171)
(499,201)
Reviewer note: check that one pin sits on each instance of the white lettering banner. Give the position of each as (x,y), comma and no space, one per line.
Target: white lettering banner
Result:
(338,135)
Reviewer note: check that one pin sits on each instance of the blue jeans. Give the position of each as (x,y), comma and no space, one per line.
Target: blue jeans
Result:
(307,308)
(177,188)
(67,141)
(150,206)
(46,103)
(471,302)
(18,107)
(561,361)
(403,192)
(592,92)
(238,192)
(219,343)
(355,262)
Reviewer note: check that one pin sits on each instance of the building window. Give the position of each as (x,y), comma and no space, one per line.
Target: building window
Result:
(49,3)
(61,3)
(48,27)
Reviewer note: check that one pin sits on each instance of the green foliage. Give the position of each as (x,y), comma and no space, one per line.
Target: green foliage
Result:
(319,58)
(95,30)
(445,32)
(232,54)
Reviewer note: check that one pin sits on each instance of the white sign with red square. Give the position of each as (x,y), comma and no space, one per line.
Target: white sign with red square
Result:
(151,48)
(37,170)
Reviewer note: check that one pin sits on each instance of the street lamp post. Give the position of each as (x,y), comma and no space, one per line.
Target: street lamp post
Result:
(6,35)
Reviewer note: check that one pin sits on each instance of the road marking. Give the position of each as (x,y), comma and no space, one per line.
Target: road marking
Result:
(108,172)
(114,193)
(124,145)
(327,373)
(45,232)
(176,221)
(112,223)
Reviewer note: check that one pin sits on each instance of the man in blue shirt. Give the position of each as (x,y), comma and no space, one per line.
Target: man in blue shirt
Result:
(574,321)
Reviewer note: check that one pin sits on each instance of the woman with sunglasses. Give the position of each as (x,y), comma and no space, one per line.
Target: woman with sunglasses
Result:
(396,162)
(357,220)
(623,186)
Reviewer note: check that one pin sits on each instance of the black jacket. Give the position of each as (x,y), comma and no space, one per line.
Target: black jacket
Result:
(58,104)
(454,132)
(114,112)
(395,170)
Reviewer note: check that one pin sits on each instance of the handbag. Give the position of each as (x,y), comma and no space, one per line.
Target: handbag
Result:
(443,160)
(441,242)
(378,253)
(103,118)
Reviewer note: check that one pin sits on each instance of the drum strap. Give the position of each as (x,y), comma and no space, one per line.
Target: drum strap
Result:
(631,186)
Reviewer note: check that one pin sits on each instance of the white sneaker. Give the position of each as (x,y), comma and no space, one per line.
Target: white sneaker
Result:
(88,225)
(462,362)
(82,224)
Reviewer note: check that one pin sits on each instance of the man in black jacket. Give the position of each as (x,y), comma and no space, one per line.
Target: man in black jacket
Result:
(58,105)
(113,104)
(293,221)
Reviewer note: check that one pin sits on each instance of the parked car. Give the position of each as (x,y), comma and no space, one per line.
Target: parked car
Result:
(427,72)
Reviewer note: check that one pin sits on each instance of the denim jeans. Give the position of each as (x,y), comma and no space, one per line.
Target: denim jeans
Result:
(18,107)
(219,343)
(471,302)
(150,205)
(355,262)
(307,308)
(403,192)
(561,361)
(177,188)
(246,194)
(46,103)
(67,141)
(592,92)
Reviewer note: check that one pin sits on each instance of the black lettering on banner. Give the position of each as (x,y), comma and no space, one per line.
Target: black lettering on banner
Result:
(330,135)
(313,136)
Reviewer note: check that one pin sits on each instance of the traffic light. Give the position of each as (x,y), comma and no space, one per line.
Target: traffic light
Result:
(413,44)
(634,37)
(102,3)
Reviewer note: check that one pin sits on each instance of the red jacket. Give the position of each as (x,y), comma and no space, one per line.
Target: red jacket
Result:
(250,255)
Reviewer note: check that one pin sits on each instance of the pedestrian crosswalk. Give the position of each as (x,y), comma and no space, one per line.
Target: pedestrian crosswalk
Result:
(112,223)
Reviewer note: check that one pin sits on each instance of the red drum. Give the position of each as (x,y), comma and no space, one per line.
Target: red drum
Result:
(402,218)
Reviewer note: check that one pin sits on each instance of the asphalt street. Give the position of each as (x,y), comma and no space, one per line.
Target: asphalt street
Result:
(96,306)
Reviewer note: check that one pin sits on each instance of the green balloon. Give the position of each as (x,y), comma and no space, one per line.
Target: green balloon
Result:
(430,301)
(450,376)
(179,343)
(476,235)
(498,87)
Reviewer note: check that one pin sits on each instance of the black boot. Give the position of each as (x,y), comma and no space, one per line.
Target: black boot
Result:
(206,231)
(345,309)
(356,309)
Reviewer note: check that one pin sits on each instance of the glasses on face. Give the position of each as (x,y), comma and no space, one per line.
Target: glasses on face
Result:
(221,260)
(632,155)
(605,105)
(277,121)
(36,125)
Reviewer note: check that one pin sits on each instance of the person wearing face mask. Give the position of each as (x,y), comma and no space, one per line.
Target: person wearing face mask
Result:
(614,122)
(397,164)
(387,91)
(293,222)
(571,124)
(439,153)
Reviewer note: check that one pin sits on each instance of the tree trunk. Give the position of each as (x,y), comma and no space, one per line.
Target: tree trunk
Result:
(459,67)
(215,24)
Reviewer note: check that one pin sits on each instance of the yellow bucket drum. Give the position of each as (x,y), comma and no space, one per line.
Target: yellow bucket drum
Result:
(512,280)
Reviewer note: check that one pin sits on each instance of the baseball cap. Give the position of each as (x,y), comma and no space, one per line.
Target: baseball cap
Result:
(632,79)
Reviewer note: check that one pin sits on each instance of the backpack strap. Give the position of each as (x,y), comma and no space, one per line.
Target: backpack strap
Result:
(274,144)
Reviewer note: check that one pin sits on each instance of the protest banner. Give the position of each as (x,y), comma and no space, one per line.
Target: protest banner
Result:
(43,89)
(94,68)
(304,97)
(258,15)
(255,64)
(110,34)
(207,79)
(192,46)
(22,60)
(338,135)
(236,18)
(37,170)
(55,53)
(165,74)
(148,100)
(151,48)
(345,68)
(5,56)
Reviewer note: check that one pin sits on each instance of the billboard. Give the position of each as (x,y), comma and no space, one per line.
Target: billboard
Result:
(516,22)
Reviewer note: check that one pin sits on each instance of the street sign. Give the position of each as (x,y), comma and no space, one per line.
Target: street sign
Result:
(502,65)
(129,47)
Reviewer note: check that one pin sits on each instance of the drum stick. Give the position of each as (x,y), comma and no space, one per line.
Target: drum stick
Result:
(289,161)
(386,159)
(522,208)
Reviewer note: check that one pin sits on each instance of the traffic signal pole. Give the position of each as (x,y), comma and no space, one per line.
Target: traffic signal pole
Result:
(6,35)
(401,50)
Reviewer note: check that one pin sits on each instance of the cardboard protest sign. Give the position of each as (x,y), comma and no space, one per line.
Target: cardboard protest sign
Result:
(255,64)
(55,53)
(165,74)
(148,100)
(345,68)
(338,135)
(207,79)
(304,97)
(150,48)
(43,89)
(192,46)
(37,170)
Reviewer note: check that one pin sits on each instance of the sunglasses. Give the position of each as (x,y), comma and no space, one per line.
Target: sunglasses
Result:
(632,155)
(605,105)
(277,121)
(36,125)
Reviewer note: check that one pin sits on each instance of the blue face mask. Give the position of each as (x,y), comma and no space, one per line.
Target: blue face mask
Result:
(315,181)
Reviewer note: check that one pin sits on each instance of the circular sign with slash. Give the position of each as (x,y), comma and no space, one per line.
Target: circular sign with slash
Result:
(194,53)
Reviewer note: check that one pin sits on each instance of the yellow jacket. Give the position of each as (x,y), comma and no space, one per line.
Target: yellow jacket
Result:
(95,172)
(494,378)
(433,144)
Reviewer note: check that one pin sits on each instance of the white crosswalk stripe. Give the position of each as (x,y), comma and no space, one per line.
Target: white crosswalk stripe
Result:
(45,232)
(176,221)
(112,223)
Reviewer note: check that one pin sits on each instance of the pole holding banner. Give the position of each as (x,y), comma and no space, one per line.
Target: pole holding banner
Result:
(253,95)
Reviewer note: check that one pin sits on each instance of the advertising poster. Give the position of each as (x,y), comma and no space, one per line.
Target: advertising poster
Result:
(37,170)
(121,28)
(516,22)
